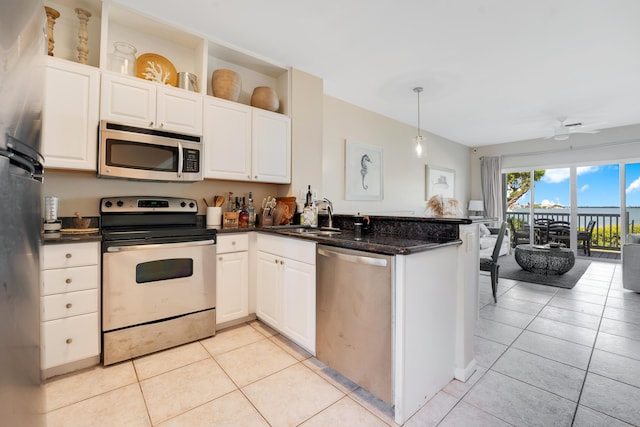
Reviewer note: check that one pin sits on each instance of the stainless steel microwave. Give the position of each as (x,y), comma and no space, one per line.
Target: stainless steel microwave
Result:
(148,154)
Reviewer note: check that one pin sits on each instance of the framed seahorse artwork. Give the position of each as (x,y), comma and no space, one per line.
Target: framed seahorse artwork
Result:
(363,171)
(440,182)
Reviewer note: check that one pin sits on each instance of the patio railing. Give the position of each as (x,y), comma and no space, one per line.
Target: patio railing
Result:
(606,233)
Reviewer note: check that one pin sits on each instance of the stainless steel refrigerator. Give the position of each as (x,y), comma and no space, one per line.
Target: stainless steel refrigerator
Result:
(22,52)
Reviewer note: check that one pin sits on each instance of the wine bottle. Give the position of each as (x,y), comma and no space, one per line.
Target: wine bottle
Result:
(309,199)
(243,216)
(252,211)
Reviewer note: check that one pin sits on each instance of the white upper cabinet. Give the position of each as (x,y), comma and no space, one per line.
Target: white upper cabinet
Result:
(179,110)
(271,160)
(135,101)
(243,143)
(70,115)
(227,138)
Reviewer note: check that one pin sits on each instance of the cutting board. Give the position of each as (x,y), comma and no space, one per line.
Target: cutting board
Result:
(79,230)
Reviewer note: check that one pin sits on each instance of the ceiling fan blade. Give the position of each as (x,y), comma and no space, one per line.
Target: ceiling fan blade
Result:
(584,131)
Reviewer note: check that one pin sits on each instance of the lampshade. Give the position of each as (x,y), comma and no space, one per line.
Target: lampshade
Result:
(476,205)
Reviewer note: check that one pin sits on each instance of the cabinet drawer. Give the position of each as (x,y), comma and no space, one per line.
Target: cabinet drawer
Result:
(232,243)
(62,280)
(70,339)
(69,304)
(296,249)
(71,255)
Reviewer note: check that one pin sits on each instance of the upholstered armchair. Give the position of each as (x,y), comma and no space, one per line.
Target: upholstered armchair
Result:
(631,263)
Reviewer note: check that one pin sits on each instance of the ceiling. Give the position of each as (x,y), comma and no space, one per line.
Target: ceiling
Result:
(493,71)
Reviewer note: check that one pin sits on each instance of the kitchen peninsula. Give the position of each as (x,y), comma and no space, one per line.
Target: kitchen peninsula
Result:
(425,309)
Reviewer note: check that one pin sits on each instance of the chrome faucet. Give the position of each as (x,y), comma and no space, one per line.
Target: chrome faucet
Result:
(329,206)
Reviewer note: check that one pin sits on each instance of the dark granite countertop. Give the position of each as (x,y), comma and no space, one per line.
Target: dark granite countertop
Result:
(381,243)
(62,238)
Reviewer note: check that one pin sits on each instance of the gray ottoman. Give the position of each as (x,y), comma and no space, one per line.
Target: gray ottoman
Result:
(546,261)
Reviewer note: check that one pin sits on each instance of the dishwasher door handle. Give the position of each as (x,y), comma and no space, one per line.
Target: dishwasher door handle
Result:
(358,259)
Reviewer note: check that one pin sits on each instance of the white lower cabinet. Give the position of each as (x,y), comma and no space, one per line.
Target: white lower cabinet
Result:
(232,277)
(70,328)
(286,287)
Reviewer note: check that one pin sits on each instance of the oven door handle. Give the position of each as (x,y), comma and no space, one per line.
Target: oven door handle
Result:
(160,246)
(180,159)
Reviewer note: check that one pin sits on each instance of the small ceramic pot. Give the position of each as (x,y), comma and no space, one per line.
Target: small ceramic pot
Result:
(226,84)
(266,98)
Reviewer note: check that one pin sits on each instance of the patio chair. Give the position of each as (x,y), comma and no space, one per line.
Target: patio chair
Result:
(585,237)
(541,226)
(491,264)
(520,237)
(560,231)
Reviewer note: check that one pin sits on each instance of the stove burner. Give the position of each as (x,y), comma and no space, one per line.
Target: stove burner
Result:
(150,218)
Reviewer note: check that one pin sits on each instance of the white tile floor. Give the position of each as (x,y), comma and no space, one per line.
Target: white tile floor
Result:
(546,356)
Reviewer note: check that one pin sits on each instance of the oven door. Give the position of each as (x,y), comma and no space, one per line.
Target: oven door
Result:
(150,282)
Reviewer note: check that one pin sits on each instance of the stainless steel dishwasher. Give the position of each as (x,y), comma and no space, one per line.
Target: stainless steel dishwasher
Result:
(353,317)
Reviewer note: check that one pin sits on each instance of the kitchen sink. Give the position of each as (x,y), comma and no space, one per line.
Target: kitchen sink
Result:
(312,231)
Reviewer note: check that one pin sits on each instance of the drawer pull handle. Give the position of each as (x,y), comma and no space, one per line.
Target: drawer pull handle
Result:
(69,341)
(67,256)
(233,242)
(68,281)
(220,259)
(69,305)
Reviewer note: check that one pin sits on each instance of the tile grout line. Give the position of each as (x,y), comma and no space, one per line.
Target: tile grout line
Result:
(586,372)
(495,361)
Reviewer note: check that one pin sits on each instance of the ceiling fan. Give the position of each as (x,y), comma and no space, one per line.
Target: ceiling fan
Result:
(563,130)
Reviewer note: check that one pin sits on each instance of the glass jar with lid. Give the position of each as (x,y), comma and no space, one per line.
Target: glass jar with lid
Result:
(123,59)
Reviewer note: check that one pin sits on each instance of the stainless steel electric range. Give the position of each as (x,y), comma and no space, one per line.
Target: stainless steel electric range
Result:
(158,275)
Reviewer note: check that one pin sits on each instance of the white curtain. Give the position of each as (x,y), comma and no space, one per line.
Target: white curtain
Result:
(491,176)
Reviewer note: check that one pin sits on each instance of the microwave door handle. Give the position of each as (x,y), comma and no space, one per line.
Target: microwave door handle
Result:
(180,159)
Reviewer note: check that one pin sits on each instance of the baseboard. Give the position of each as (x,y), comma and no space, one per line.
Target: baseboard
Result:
(463,374)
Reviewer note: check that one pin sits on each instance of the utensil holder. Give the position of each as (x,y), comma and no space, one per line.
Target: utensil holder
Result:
(214,216)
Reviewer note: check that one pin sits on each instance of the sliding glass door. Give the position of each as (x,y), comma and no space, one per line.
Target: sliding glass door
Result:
(598,196)
(632,195)
(572,198)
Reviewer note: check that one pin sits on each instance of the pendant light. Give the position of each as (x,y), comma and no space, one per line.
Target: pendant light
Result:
(418,138)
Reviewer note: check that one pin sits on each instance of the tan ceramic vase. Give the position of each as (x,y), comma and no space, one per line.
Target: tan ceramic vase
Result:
(266,98)
(226,84)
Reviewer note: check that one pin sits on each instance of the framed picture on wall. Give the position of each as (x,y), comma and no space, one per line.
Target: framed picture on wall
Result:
(440,181)
(363,171)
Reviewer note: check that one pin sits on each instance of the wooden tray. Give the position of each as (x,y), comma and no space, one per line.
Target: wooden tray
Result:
(79,230)
(161,63)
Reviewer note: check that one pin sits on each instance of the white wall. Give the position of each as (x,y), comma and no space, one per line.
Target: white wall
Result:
(81,191)
(404,173)
(621,144)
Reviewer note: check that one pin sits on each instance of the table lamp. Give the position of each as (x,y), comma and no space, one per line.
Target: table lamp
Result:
(476,207)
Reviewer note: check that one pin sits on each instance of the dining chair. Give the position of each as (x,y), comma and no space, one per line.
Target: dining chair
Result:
(586,236)
(559,231)
(520,237)
(541,227)
(491,264)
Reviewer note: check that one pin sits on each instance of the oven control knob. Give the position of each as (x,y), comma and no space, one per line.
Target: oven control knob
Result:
(191,205)
(108,204)
(183,204)
(120,203)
